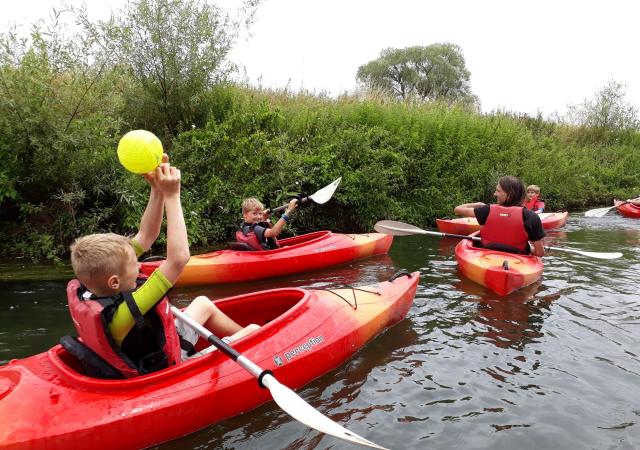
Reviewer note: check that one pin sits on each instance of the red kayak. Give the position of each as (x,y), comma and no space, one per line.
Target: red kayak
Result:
(627,209)
(47,403)
(296,254)
(461,225)
(553,220)
(500,272)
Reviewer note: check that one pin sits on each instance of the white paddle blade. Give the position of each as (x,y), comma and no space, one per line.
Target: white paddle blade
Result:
(598,255)
(598,212)
(300,410)
(397,228)
(324,195)
(603,255)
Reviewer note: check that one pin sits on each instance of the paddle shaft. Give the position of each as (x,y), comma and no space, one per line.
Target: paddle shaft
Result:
(403,229)
(279,209)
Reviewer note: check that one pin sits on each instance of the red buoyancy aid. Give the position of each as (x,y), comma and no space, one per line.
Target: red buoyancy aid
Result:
(504,229)
(246,235)
(89,319)
(534,204)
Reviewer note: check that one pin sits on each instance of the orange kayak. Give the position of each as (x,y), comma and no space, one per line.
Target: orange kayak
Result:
(500,272)
(302,253)
(461,225)
(627,209)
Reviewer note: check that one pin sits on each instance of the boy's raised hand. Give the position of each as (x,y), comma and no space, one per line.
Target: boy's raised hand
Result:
(167,179)
(151,176)
(293,204)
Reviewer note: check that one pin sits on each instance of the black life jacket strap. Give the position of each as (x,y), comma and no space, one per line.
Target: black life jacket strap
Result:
(135,311)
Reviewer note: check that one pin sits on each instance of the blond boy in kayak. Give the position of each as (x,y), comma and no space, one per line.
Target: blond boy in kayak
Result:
(533,201)
(256,231)
(106,266)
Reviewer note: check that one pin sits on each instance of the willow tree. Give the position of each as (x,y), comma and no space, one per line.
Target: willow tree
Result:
(434,72)
(607,109)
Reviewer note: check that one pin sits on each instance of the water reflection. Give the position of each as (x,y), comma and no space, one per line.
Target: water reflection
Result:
(510,321)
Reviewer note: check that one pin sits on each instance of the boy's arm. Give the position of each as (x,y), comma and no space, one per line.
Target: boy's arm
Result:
(282,221)
(537,248)
(177,241)
(151,220)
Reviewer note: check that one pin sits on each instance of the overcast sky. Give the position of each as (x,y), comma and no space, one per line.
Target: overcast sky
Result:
(524,56)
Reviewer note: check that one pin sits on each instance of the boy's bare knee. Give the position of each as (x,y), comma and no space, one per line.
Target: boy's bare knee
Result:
(201,299)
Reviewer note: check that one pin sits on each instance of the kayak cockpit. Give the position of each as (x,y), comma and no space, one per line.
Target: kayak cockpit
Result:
(297,242)
(269,309)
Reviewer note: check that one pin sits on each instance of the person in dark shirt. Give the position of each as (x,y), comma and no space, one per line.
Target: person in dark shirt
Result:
(507,225)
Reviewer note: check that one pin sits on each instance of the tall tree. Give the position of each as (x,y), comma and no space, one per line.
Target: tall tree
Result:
(607,109)
(435,72)
(175,50)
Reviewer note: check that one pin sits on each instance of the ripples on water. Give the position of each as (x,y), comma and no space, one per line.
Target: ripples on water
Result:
(554,365)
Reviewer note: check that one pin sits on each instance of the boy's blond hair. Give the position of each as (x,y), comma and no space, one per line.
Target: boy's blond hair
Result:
(250,204)
(534,188)
(96,256)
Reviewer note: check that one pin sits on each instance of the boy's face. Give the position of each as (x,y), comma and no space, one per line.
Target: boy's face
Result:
(254,215)
(531,193)
(130,271)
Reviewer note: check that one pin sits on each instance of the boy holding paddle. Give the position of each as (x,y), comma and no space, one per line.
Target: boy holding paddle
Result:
(256,230)
(125,320)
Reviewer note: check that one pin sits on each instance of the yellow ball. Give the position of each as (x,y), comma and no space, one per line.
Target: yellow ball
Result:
(140,151)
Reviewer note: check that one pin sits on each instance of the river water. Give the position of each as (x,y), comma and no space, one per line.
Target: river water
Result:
(555,365)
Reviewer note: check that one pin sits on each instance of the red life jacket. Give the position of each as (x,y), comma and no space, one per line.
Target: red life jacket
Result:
(152,344)
(534,204)
(247,235)
(504,230)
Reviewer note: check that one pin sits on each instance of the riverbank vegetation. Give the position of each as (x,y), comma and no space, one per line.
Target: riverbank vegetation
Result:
(66,100)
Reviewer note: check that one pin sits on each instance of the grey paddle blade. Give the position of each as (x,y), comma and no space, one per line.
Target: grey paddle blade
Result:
(598,212)
(395,228)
